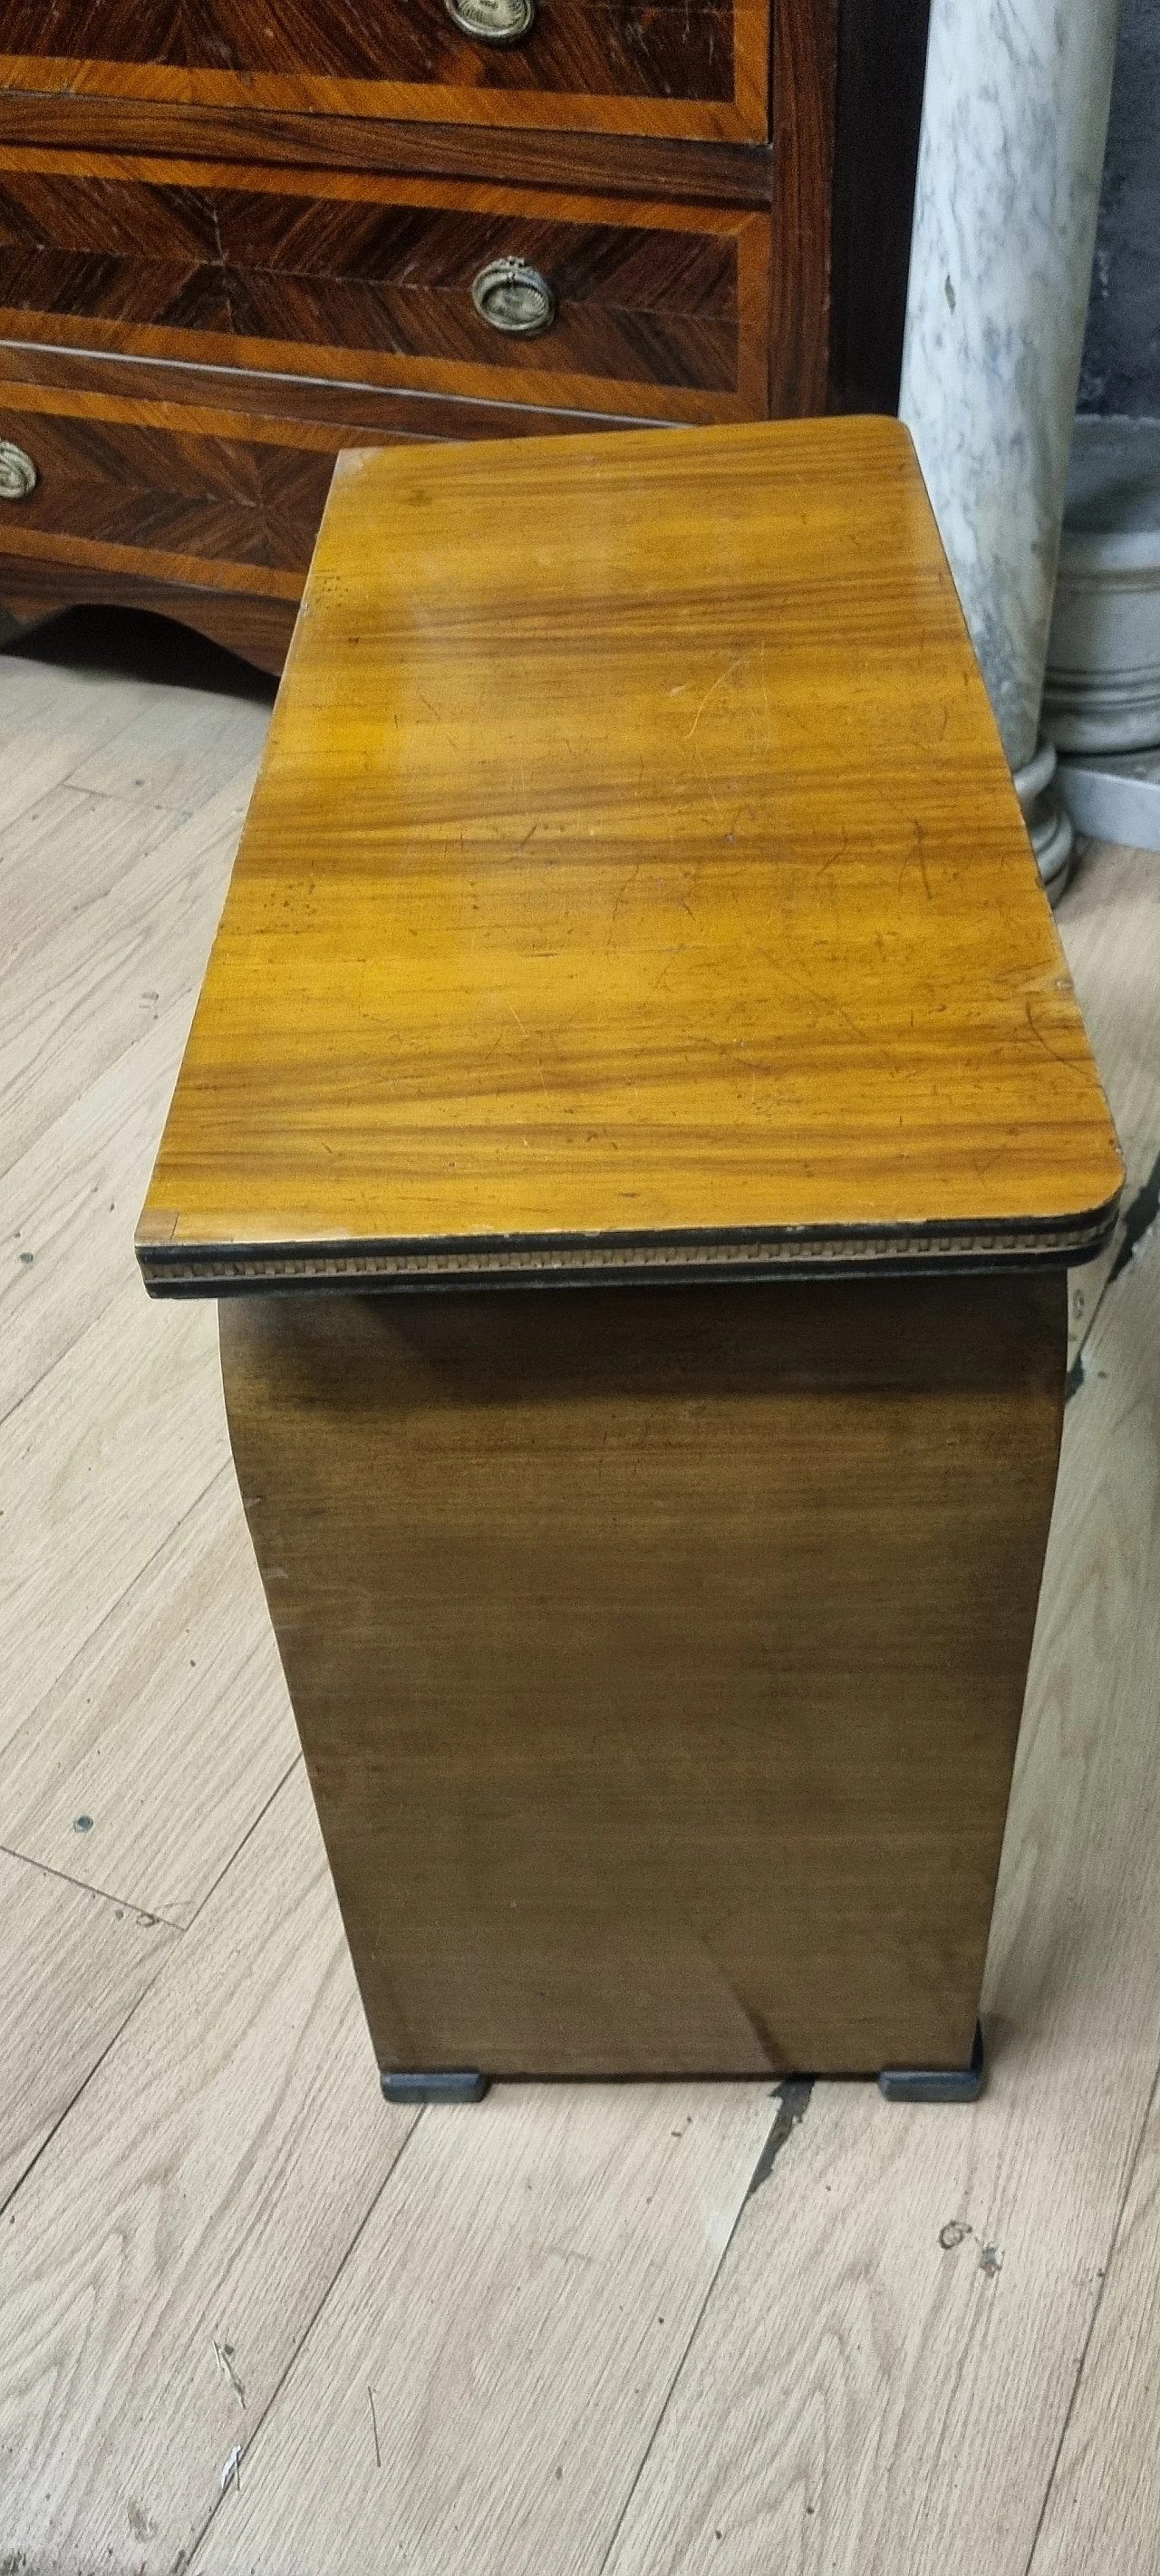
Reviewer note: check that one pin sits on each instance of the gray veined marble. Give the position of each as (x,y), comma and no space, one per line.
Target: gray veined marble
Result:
(1014,121)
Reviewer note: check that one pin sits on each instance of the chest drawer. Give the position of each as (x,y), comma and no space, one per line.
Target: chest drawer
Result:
(179,489)
(594,305)
(103,457)
(694,68)
(199,488)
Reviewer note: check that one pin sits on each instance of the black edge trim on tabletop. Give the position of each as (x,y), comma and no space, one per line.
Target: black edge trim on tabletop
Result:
(194,1270)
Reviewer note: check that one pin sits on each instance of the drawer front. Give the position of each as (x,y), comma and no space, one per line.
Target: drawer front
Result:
(650,312)
(127,482)
(664,67)
(125,486)
(181,476)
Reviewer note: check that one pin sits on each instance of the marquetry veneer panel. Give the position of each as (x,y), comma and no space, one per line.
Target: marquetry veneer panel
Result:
(226,498)
(661,311)
(667,67)
(150,493)
(227,492)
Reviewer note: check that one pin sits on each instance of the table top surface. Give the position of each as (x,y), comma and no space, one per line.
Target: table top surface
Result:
(634,882)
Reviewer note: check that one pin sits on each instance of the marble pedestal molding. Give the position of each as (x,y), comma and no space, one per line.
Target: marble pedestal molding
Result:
(1101,697)
(1014,122)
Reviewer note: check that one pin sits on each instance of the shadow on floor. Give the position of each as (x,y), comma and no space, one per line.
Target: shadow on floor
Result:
(142,647)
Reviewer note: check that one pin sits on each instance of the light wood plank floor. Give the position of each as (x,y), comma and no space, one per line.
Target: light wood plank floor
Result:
(252,2318)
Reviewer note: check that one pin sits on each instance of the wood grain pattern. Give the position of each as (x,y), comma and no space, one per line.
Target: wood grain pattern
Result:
(177,494)
(97,1489)
(1105,2495)
(259,629)
(803,132)
(573,2239)
(648,906)
(170,1728)
(672,67)
(204,514)
(76,1965)
(570,1593)
(42,550)
(56,1031)
(197,762)
(218,2214)
(141,935)
(912,2399)
(78,384)
(72,1188)
(87,1484)
(622,165)
(48,726)
(214,495)
(260,267)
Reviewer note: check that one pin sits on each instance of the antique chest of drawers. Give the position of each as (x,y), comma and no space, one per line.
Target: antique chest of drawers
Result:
(237,238)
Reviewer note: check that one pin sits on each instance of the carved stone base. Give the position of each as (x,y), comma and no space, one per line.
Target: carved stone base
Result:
(1114,796)
(1102,691)
(1046,817)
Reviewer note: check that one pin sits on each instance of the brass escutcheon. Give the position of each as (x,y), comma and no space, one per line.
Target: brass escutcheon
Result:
(492,22)
(18,475)
(513,297)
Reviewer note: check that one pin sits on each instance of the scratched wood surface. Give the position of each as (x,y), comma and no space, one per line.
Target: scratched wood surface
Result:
(223,2175)
(645,906)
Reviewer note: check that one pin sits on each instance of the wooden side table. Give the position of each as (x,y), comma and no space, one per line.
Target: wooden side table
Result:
(636,1122)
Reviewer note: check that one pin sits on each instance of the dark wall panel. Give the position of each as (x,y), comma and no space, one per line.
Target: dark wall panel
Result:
(881,64)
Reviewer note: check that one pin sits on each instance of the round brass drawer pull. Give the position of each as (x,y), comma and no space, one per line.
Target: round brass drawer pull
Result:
(492,22)
(18,475)
(513,297)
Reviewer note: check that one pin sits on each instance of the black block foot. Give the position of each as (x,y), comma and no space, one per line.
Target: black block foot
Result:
(936,2083)
(439,2087)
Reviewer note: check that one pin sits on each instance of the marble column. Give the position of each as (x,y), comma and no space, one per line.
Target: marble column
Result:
(1014,120)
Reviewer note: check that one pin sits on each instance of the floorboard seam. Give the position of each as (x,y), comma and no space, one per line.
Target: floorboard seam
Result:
(116,1066)
(251,1829)
(104,1895)
(87,1643)
(190,2563)
(95,1317)
(1139,1217)
(792,2103)
(1097,2305)
(83,2086)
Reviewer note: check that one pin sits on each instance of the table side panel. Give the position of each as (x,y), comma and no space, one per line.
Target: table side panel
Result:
(658,1656)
